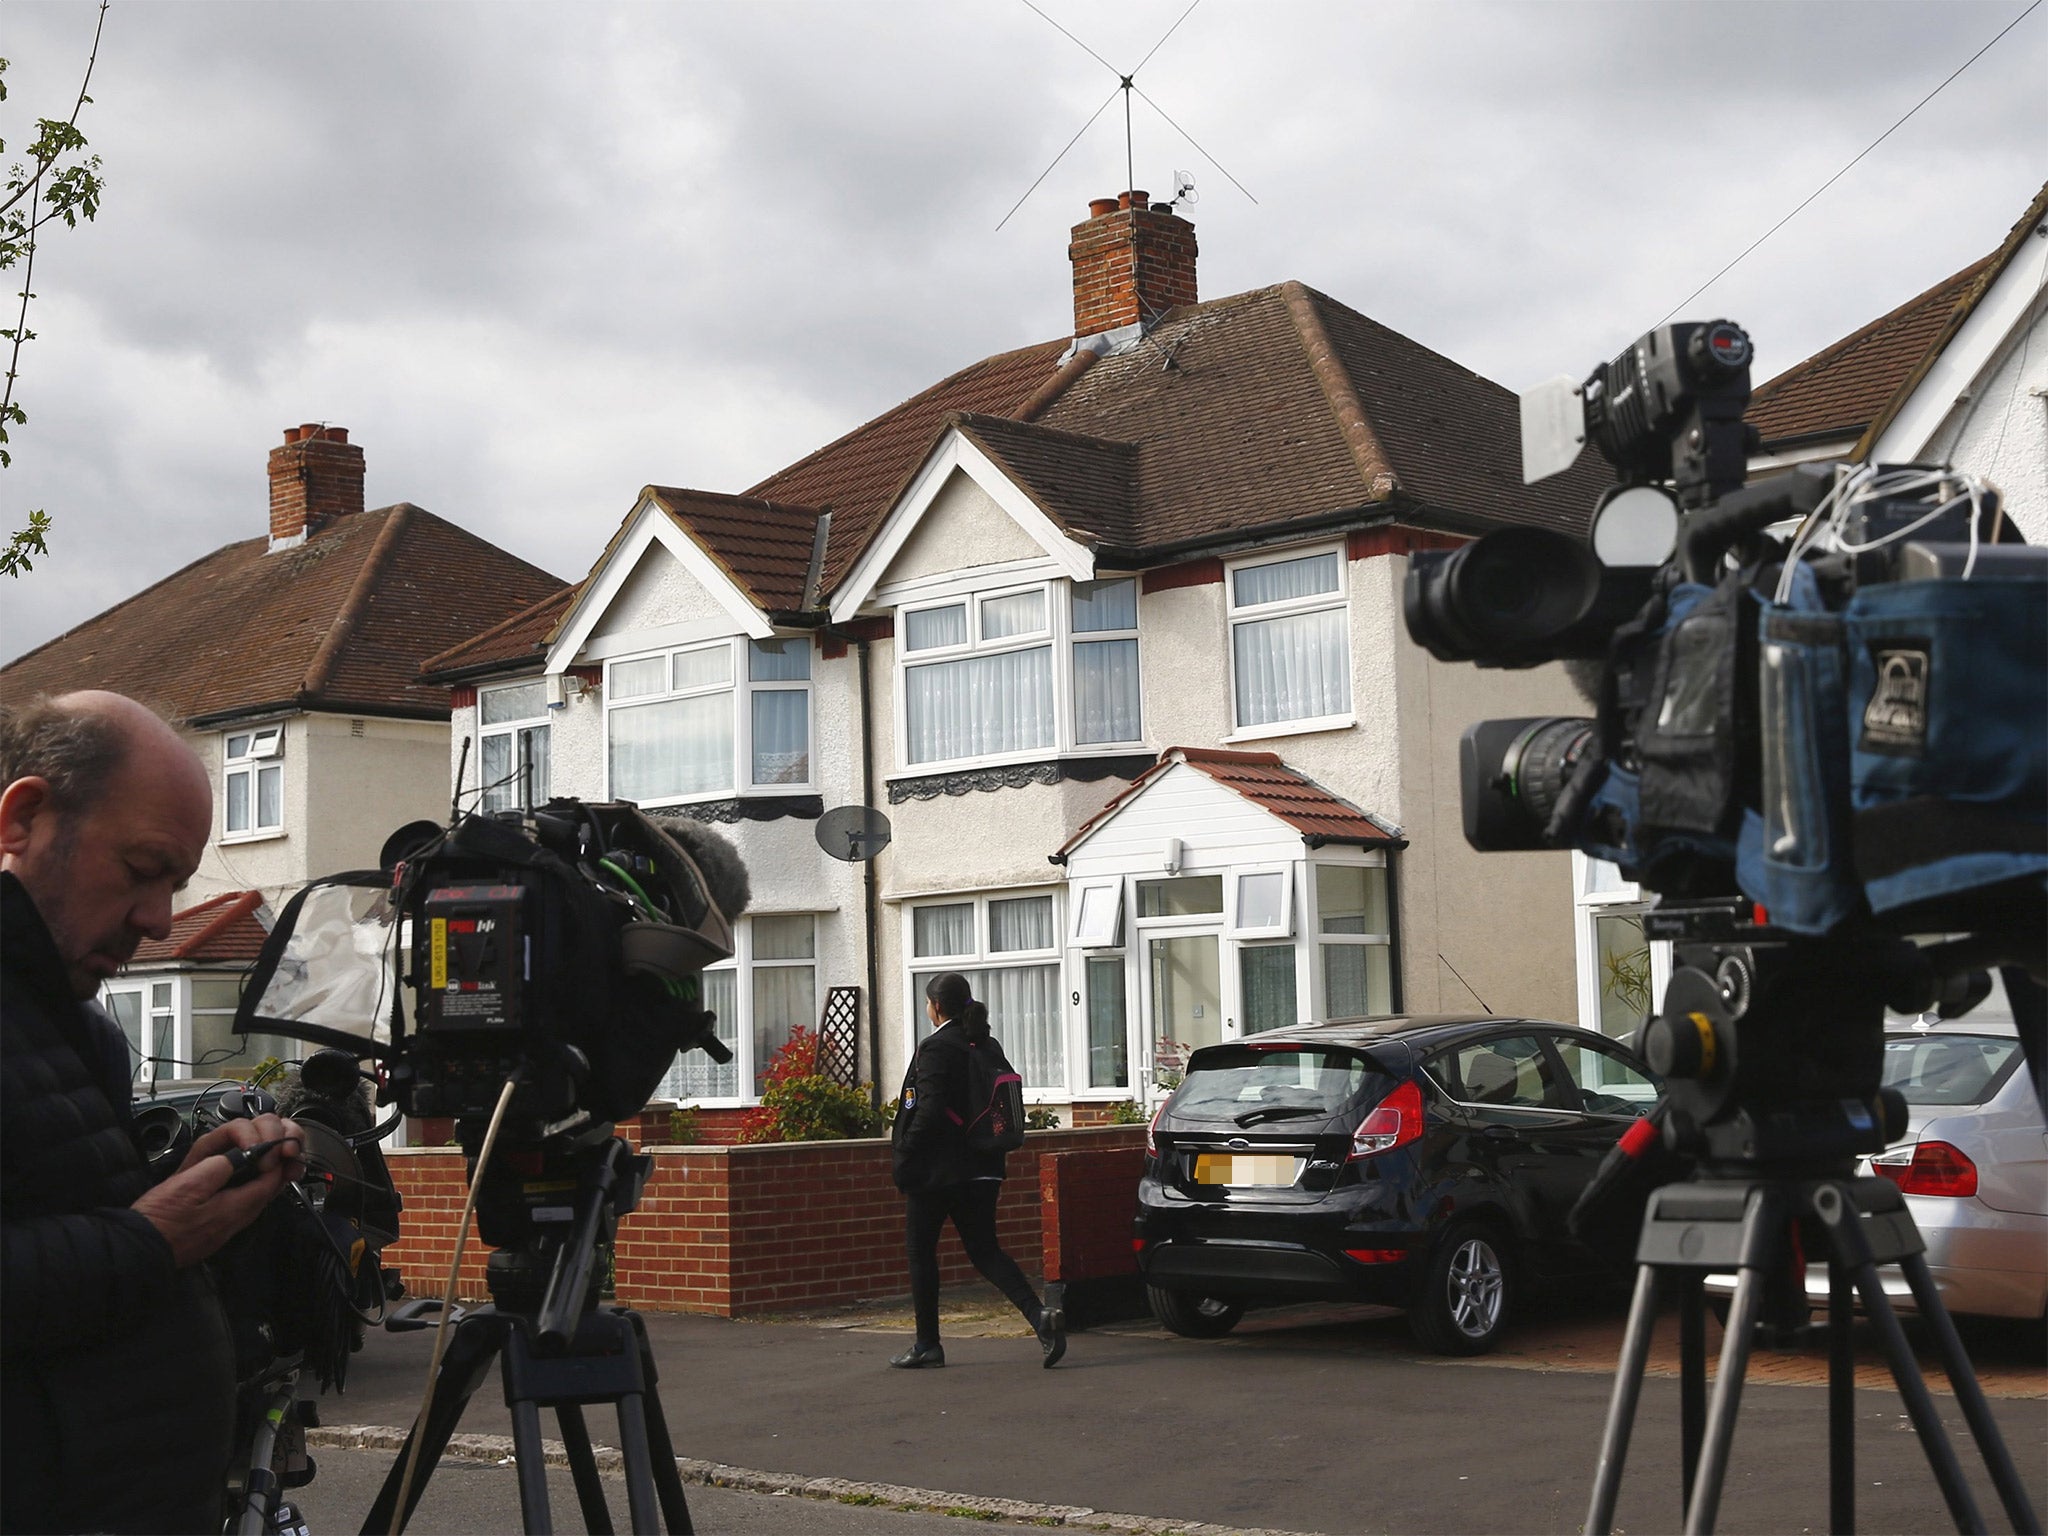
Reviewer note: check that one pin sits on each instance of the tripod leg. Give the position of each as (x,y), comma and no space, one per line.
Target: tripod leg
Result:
(477,1339)
(2019,1509)
(1941,1456)
(1705,1502)
(1621,1407)
(538,1515)
(668,1482)
(1841,1397)
(639,1475)
(1692,1380)
(597,1515)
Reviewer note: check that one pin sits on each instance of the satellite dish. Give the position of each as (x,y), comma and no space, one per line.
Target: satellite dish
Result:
(855,833)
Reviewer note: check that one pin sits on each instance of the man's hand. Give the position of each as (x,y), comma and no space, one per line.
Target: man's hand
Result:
(195,1210)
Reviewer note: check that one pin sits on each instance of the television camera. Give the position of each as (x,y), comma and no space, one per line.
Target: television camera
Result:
(531,976)
(1820,738)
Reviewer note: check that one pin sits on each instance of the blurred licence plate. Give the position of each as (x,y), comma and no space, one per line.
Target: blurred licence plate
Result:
(1242,1170)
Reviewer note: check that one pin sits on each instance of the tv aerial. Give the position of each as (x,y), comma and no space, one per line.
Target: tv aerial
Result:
(1127,85)
(853,833)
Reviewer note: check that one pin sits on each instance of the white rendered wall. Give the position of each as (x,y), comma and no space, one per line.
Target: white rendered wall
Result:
(2000,429)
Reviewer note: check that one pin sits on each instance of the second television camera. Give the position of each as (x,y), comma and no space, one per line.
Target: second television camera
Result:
(1815,745)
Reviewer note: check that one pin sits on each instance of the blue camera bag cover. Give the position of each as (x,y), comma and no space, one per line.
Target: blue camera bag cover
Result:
(1793,854)
(1947,727)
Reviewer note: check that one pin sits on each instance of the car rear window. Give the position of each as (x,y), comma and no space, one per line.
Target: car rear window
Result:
(1947,1069)
(1230,1082)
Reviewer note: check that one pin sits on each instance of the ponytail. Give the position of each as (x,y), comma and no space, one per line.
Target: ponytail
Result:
(954,998)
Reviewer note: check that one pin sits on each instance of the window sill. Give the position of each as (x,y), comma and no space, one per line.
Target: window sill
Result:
(238,839)
(1292,728)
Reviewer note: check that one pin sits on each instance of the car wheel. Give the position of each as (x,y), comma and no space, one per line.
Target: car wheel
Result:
(1192,1316)
(1466,1294)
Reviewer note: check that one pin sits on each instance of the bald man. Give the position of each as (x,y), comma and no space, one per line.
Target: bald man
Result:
(116,1370)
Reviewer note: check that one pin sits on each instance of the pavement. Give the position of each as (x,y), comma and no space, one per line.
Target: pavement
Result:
(1305,1419)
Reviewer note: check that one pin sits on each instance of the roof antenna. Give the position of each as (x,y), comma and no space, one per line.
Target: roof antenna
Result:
(1183,192)
(1126,83)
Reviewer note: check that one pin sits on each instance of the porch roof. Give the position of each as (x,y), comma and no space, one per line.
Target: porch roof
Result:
(1262,778)
(223,930)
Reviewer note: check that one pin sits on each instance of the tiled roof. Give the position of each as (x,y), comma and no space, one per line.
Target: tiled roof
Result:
(764,546)
(1083,483)
(858,477)
(1263,779)
(341,622)
(222,931)
(1842,388)
(523,638)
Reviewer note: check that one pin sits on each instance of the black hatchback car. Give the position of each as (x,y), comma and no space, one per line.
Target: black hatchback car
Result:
(1426,1163)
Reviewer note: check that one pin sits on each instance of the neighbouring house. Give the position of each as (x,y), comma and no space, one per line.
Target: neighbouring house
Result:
(290,662)
(1956,375)
(1110,628)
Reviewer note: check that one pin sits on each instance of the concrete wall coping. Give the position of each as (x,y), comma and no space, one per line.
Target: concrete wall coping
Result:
(1087,1133)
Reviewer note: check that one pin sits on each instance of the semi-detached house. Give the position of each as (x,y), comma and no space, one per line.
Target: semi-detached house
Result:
(1110,628)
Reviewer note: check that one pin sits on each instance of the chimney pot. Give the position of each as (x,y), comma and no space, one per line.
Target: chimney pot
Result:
(1100,206)
(315,478)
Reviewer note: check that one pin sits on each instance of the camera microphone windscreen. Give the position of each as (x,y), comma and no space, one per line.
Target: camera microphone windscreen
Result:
(725,876)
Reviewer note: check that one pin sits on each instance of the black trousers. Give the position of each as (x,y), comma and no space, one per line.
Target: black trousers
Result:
(972,1209)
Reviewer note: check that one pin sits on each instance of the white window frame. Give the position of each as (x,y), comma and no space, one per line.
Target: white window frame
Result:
(264,754)
(1213,919)
(983,956)
(514,729)
(1315,940)
(742,965)
(1620,898)
(1233,896)
(1108,932)
(1234,615)
(146,1068)
(1058,636)
(740,688)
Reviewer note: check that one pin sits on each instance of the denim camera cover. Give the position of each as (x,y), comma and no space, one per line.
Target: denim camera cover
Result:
(1793,853)
(1948,734)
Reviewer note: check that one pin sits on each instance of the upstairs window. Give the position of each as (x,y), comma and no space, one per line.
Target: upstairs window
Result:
(512,747)
(730,717)
(1290,644)
(1038,669)
(252,785)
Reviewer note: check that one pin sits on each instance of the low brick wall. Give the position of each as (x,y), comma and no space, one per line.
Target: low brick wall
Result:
(734,1230)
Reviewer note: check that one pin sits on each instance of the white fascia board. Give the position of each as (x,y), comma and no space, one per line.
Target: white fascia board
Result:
(893,594)
(955,451)
(1964,360)
(651,526)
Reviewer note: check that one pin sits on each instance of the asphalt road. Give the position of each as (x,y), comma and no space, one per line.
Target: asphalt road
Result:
(1313,1422)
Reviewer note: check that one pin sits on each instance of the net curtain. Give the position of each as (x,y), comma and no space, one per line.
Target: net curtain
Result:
(980,706)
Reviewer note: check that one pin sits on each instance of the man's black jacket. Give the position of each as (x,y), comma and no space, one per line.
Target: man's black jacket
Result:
(116,1372)
(929,1145)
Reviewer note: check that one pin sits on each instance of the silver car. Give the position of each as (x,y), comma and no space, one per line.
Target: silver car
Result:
(1973,1165)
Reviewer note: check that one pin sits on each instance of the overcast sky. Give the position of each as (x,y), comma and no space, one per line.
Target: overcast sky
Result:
(535,256)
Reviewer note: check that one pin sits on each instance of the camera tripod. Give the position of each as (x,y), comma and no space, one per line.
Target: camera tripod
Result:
(555,1353)
(1748,1224)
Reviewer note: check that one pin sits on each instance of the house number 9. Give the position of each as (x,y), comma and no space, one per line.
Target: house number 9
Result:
(1077,999)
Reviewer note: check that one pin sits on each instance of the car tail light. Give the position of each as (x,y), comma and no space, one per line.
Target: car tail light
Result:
(1376,1255)
(1396,1122)
(1152,1141)
(1928,1168)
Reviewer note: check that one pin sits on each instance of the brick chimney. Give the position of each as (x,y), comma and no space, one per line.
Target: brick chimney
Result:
(316,477)
(1132,263)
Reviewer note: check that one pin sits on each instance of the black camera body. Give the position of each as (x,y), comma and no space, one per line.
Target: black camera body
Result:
(1813,747)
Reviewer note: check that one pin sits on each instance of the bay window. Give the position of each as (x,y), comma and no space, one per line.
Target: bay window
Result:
(730,717)
(1290,643)
(512,746)
(767,989)
(1007,946)
(1354,939)
(252,782)
(1038,669)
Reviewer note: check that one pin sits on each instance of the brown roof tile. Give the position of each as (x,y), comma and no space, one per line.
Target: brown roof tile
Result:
(342,621)
(523,638)
(224,930)
(858,477)
(1842,388)
(764,546)
(1263,779)
(1083,483)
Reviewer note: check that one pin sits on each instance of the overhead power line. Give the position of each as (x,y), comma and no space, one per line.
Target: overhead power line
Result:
(1845,170)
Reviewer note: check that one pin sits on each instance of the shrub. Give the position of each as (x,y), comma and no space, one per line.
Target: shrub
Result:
(1126,1112)
(683,1129)
(799,1103)
(1041,1120)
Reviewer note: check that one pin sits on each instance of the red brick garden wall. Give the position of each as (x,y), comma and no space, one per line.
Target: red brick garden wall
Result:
(733,1230)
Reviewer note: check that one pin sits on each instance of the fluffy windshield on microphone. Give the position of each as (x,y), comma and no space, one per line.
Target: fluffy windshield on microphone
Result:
(725,875)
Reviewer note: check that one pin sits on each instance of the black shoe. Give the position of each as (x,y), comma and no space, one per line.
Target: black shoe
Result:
(918,1356)
(1052,1334)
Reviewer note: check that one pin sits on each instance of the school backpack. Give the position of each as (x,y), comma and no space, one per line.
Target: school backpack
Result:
(995,1098)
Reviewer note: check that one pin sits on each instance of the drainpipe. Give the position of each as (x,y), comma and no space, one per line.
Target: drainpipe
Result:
(873,915)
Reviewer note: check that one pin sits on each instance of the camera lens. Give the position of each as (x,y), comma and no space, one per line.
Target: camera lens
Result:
(1502,599)
(1512,773)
